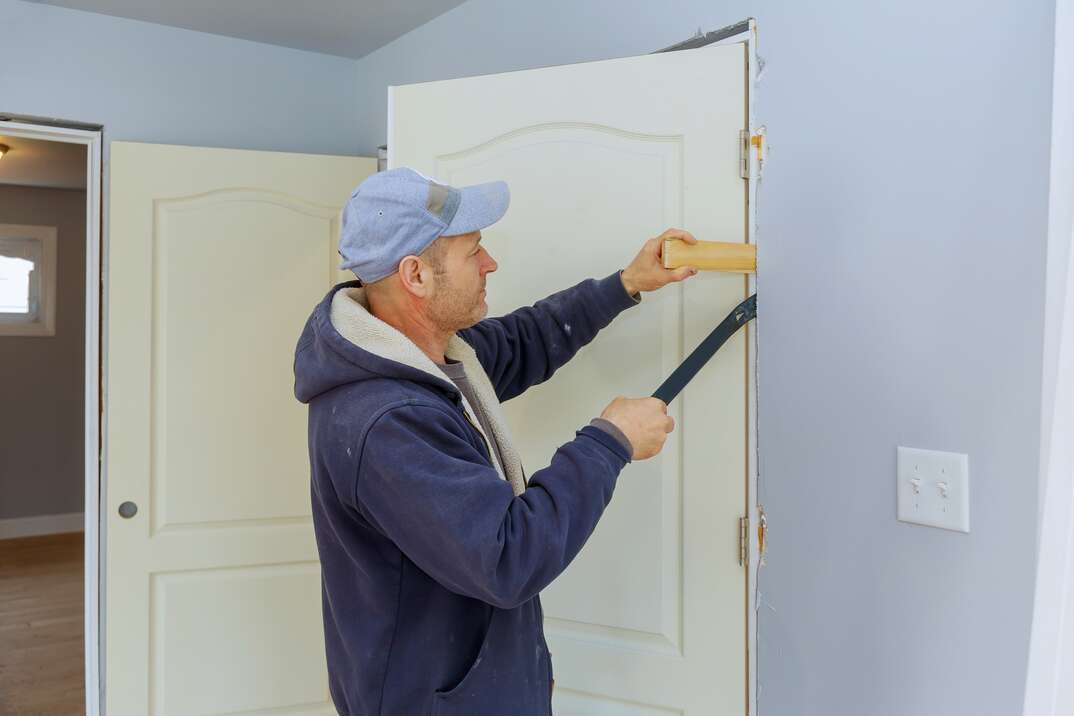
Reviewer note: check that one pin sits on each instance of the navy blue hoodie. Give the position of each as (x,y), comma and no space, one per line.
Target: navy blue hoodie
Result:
(431,565)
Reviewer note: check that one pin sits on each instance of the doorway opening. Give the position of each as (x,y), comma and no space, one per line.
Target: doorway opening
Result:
(50,301)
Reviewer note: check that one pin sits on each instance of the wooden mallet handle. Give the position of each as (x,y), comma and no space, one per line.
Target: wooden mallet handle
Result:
(711,256)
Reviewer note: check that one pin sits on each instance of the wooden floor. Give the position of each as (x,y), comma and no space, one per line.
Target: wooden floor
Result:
(41,652)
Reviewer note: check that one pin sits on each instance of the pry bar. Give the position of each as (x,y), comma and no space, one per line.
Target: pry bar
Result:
(740,316)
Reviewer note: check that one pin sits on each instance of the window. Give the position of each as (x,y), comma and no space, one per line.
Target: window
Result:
(27,280)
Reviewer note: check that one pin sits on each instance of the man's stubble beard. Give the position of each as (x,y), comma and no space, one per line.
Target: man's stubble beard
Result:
(451,309)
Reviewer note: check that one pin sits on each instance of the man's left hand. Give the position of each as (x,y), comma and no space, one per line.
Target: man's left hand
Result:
(647,273)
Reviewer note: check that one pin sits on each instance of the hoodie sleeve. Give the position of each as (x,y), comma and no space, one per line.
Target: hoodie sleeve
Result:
(525,347)
(428,489)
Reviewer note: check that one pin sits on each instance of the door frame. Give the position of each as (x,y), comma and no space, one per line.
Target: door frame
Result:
(91,137)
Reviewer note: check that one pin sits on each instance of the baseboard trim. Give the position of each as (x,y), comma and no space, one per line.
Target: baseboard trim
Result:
(41,525)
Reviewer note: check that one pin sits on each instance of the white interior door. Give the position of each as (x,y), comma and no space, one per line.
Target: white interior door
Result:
(651,617)
(212,590)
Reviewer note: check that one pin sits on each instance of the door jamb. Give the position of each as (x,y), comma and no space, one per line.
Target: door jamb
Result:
(91,137)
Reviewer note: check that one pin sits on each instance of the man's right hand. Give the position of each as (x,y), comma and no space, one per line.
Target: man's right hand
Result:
(644,421)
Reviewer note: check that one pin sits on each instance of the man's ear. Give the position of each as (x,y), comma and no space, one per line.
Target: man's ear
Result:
(416,276)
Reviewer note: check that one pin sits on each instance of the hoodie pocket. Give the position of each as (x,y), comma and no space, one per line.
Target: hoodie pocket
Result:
(444,701)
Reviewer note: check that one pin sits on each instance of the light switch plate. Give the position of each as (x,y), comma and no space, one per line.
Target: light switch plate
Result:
(934,488)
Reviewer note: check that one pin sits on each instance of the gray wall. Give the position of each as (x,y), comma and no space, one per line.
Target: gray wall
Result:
(41,414)
(902,242)
(151,83)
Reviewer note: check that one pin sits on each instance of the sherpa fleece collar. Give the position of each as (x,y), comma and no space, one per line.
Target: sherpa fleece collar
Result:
(350,316)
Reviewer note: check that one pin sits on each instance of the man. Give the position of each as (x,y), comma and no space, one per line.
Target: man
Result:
(433,547)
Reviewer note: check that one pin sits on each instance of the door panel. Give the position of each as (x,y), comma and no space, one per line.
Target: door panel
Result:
(651,616)
(212,596)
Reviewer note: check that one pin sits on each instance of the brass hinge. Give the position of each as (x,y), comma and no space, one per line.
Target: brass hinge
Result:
(762,534)
(743,541)
(745,142)
(744,153)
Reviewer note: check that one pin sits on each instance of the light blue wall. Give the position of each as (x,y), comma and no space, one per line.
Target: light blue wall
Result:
(902,242)
(151,83)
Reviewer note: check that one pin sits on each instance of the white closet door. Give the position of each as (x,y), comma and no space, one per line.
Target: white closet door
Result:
(651,617)
(212,587)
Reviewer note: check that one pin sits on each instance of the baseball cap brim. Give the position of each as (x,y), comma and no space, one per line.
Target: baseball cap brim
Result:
(480,206)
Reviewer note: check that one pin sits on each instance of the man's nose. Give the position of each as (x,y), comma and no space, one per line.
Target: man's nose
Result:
(490,263)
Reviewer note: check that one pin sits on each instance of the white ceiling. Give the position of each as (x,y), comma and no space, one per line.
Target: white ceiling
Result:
(34,162)
(348,28)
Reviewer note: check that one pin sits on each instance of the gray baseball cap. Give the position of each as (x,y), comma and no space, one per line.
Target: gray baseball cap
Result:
(400,212)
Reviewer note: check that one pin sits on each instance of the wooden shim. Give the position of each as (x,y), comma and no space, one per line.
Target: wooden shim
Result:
(711,256)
